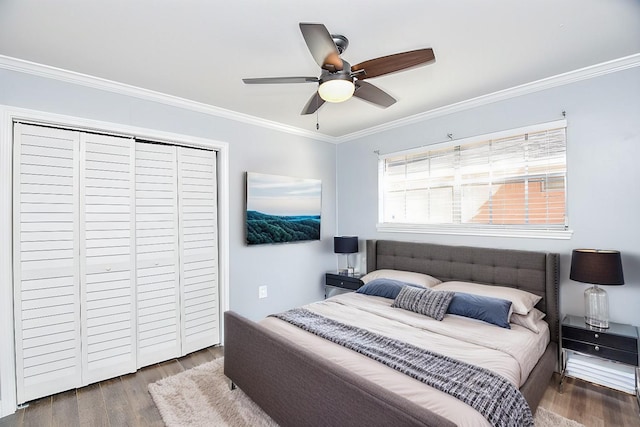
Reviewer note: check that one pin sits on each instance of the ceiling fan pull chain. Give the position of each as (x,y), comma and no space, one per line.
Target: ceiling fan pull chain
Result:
(317,114)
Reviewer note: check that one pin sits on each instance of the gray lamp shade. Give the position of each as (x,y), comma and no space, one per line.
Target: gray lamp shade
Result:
(345,244)
(598,267)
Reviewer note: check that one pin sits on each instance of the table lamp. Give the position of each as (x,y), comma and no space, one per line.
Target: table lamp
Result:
(598,267)
(346,245)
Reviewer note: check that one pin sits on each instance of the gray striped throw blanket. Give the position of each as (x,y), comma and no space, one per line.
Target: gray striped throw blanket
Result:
(498,400)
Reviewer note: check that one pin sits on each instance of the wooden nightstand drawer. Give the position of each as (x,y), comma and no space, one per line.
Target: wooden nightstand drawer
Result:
(601,338)
(346,282)
(600,350)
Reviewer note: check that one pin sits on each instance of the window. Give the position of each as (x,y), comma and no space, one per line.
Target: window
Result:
(513,180)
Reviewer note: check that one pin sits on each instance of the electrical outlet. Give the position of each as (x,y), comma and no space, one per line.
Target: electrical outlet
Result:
(262,291)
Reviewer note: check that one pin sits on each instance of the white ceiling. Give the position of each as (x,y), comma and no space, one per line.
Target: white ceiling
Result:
(200,50)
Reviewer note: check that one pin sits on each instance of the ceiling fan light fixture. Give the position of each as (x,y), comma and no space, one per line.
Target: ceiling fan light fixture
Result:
(337,89)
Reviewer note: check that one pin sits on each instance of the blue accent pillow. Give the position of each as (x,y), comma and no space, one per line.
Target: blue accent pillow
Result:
(387,288)
(488,309)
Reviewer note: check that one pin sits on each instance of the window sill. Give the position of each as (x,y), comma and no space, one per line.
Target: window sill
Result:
(474,231)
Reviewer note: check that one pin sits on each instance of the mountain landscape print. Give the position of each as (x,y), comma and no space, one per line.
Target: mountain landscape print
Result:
(282,209)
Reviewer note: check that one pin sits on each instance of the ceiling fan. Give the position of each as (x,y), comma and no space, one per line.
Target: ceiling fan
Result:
(339,80)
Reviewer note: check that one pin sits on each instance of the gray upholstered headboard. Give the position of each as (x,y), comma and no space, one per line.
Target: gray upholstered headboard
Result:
(535,272)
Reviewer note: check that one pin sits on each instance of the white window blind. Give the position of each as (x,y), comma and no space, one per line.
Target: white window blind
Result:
(505,181)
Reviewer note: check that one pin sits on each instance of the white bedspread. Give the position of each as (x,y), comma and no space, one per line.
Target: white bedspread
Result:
(511,353)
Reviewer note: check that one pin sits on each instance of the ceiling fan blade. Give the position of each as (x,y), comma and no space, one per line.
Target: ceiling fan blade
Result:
(373,94)
(321,45)
(392,63)
(314,103)
(272,80)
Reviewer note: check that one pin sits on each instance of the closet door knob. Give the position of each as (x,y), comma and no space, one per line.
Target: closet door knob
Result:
(108,268)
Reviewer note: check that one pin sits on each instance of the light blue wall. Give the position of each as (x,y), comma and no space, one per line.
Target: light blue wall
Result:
(603,154)
(293,272)
(603,116)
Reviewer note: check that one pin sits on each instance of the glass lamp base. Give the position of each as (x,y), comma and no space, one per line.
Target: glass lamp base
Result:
(596,307)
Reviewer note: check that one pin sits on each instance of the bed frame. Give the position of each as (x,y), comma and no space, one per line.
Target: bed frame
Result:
(296,387)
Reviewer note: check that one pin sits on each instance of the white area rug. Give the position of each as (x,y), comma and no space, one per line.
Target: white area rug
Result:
(545,418)
(201,397)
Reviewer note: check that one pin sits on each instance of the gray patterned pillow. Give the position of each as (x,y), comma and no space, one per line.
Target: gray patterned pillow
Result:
(424,301)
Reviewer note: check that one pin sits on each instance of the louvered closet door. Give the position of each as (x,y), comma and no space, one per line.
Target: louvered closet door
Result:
(198,248)
(107,257)
(157,253)
(46,274)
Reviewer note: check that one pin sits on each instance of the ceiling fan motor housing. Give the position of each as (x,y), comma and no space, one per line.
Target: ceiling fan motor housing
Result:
(344,74)
(341,42)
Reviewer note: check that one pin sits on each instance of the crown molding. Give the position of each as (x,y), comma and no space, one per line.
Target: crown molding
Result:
(585,73)
(40,70)
(19,65)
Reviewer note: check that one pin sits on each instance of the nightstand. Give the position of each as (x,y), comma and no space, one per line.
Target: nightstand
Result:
(337,283)
(604,356)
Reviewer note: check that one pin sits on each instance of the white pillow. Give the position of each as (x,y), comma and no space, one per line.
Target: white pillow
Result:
(528,321)
(522,301)
(419,279)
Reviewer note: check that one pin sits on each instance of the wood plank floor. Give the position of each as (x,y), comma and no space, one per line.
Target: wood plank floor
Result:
(122,401)
(125,401)
(591,405)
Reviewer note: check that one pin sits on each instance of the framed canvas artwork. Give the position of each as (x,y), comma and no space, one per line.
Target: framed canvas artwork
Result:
(282,209)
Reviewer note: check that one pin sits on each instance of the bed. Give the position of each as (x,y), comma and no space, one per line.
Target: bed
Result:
(299,378)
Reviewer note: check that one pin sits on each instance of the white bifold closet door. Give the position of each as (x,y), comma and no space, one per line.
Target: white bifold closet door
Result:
(198,203)
(73,260)
(46,256)
(115,256)
(107,256)
(158,288)
(177,257)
